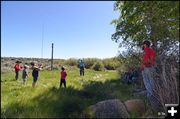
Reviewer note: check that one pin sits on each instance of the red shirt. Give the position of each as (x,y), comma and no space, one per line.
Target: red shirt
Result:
(63,75)
(17,67)
(149,57)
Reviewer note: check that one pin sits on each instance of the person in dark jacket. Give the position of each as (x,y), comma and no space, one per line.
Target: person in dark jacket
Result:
(35,74)
(81,66)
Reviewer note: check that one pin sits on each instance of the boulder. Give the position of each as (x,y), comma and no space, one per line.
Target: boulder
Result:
(135,105)
(113,108)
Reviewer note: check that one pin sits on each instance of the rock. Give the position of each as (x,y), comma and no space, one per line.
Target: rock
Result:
(113,108)
(135,105)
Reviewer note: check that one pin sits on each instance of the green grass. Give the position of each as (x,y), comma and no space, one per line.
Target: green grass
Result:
(47,100)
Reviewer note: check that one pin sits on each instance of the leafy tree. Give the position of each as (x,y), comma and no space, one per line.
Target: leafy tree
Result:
(157,21)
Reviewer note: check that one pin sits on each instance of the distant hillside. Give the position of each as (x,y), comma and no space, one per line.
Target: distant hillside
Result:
(7,63)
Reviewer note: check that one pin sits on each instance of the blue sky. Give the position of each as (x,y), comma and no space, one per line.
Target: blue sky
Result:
(78,29)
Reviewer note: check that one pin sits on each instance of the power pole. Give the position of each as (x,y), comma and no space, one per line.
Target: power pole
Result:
(52,58)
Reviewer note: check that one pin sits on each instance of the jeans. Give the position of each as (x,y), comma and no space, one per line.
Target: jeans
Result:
(147,75)
(81,71)
(17,73)
(63,81)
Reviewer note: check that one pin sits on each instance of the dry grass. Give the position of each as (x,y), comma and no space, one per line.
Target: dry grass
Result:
(167,82)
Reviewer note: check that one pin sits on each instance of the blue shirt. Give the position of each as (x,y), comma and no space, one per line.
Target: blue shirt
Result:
(81,64)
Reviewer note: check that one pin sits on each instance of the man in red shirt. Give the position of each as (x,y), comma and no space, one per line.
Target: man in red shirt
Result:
(17,68)
(63,77)
(147,67)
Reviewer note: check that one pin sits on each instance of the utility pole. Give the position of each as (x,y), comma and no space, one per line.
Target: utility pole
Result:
(52,58)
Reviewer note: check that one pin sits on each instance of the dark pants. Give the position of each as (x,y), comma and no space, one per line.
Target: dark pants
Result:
(17,74)
(81,71)
(63,81)
(35,79)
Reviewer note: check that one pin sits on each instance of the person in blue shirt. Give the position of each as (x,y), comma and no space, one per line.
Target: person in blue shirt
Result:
(81,66)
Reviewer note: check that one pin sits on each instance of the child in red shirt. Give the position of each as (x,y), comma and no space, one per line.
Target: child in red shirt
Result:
(63,77)
(17,68)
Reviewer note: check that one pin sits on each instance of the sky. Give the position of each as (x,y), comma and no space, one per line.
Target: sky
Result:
(78,29)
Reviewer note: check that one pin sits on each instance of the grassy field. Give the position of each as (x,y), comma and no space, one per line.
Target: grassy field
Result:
(47,100)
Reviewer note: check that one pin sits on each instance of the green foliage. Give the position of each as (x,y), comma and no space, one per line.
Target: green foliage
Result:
(59,61)
(111,63)
(71,62)
(98,66)
(157,21)
(89,62)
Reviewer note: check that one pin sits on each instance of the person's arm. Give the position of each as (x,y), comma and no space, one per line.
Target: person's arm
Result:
(26,72)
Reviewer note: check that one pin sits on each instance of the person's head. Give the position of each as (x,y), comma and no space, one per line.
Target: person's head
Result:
(62,68)
(146,43)
(35,67)
(18,62)
(26,66)
(32,64)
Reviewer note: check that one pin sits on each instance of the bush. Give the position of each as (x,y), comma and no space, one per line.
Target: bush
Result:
(89,62)
(98,66)
(111,63)
(129,62)
(59,62)
(71,62)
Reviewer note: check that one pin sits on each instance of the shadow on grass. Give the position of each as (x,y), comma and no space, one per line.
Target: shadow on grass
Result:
(68,102)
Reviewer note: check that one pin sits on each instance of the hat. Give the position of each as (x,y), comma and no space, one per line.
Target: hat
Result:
(36,67)
(18,61)
(26,66)
(62,67)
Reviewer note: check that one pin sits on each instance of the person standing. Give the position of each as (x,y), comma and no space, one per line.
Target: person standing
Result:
(147,67)
(17,69)
(63,77)
(25,73)
(81,66)
(35,74)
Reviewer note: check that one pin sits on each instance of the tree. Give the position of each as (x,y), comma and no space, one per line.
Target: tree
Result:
(157,21)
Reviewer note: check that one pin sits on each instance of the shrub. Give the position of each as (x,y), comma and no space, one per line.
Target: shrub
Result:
(98,66)
(89,62)
(71,62)
(129,62)
(111,63)
(59,61)
(166,81)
